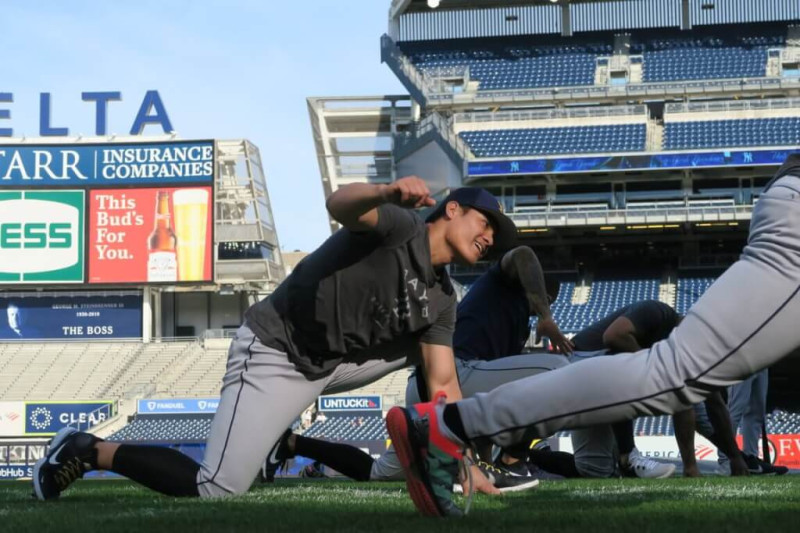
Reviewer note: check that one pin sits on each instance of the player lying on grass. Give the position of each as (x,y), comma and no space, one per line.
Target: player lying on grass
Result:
(373,298)
(746,321)
(492,327)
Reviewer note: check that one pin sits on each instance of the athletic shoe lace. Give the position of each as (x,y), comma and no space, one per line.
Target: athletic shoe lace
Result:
(642,461)
(68,472)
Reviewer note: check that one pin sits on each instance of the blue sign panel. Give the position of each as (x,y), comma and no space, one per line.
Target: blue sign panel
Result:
(349,403)
(106,164)
(70,316)
(174,406)
(16,472)
(630,162)
(47,418)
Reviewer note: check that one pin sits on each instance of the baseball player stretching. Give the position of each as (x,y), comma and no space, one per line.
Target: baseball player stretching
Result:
(746,321)
(373,298)
(493,324)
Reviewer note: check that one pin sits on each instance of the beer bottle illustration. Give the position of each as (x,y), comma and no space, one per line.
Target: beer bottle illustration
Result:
(161,263)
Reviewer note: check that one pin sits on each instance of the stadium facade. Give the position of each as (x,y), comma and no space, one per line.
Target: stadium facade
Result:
(628,139)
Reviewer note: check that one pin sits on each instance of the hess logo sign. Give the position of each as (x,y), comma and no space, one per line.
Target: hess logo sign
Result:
(41,236)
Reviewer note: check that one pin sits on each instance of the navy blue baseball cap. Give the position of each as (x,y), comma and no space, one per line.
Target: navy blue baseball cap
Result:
(505,231)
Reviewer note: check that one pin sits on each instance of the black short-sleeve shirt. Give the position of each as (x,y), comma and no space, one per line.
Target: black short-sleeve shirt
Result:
(652,320)
(357,292)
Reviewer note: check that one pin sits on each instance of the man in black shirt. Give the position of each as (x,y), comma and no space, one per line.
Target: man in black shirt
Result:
(492,327)
(372,298)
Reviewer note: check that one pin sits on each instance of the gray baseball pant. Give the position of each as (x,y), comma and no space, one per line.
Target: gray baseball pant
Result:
(747,403)
(474,377)
(746,321)
(262,394)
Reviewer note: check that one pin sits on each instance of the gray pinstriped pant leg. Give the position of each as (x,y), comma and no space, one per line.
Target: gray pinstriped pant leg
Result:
(474,377)
(262,394)
(746,321)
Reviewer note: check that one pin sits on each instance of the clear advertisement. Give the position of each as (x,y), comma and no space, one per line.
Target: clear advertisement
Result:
(47,418)
(41,236)
(70,316)
(158,235)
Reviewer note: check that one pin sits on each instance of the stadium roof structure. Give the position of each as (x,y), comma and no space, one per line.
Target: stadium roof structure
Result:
(399,7)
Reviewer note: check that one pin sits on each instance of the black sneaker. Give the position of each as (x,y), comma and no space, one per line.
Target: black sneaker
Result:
(762,468)
(518,469)
(71,455)
(504,480)
(277,457)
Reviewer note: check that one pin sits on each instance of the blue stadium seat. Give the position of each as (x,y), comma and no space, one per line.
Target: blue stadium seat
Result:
(605,297)
(342,428)
(165,429)
(732,133)
(558,140)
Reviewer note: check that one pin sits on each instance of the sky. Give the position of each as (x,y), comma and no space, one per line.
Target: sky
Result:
(224,70)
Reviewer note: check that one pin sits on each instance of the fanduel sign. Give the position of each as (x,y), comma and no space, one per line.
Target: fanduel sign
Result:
(349,403)
(177,406)
(151,111)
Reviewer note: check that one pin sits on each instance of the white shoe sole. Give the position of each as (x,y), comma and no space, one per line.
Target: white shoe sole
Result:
(54,444)
(532,484)
(667,473)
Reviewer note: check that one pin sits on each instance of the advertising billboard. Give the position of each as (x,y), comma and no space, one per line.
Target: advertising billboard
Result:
(47,418)
(349,403)
(174,406)
(12,419)
(41,236)
(107,165)
(70,316)
(154,235)
(611,163)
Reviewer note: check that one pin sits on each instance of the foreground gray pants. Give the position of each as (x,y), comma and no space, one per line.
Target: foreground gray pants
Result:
(474,377)
(747,320)
(262,394)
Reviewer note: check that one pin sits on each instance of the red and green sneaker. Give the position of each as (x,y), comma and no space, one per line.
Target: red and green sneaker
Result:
(430,460)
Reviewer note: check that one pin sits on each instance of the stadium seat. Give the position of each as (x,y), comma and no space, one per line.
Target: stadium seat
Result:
(557,140)
(732,133)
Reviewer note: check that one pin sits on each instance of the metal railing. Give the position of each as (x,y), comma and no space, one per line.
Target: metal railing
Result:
(408,141)
(733,105)
(551,113)
(677,88)
(611,217)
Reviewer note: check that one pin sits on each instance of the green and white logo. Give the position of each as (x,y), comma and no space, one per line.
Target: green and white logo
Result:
(41,236)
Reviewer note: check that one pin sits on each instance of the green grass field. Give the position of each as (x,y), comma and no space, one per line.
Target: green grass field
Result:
(686,505)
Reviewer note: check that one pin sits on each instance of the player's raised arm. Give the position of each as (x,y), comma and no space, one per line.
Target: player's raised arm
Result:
(521,264)
(354,206)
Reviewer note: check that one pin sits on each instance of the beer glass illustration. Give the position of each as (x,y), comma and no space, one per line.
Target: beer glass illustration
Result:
(191,216)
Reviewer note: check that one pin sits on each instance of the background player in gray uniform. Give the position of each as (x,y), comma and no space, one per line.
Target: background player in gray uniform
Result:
(630,328)
(493,325)
(746,321)
(371,299)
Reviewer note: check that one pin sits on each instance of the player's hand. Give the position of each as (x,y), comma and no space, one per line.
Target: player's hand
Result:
(410,192)
(548,328)
(480,483)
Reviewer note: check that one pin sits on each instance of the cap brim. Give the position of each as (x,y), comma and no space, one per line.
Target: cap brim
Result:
(505,232)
